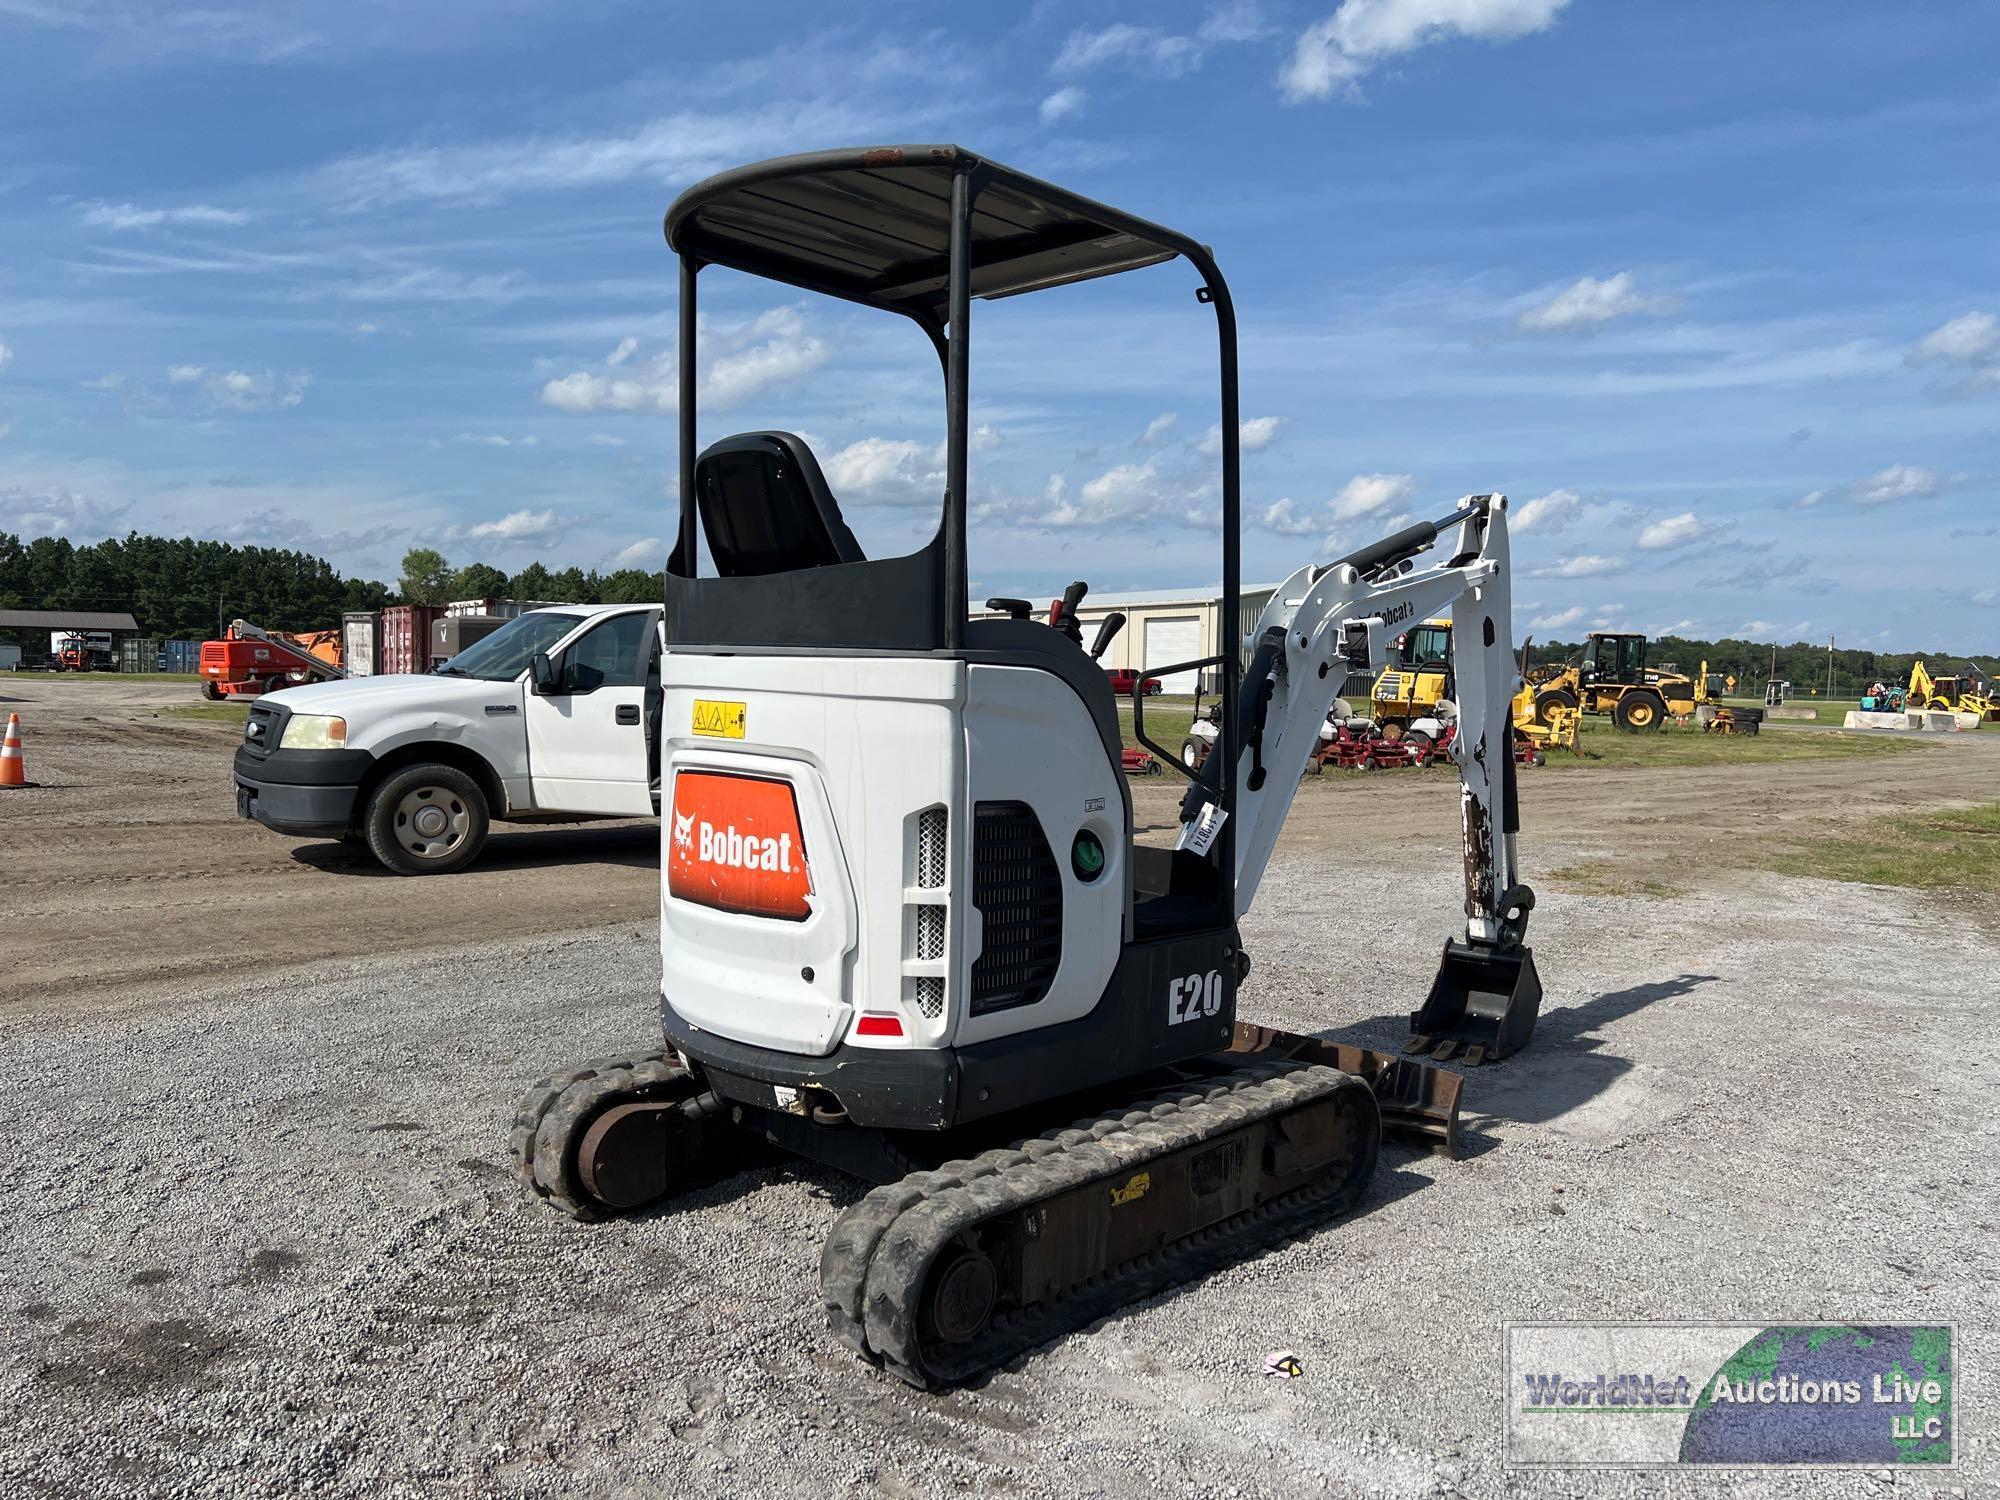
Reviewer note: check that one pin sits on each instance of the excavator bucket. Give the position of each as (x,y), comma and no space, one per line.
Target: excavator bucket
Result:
(1482,1005)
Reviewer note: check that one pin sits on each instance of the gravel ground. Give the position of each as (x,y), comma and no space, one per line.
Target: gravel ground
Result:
(260,1240)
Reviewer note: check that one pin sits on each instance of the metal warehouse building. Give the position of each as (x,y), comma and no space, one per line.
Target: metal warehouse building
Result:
(1163,626)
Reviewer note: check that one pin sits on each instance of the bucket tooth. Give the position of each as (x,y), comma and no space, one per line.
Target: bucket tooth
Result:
(1484,999)
(1418,1044)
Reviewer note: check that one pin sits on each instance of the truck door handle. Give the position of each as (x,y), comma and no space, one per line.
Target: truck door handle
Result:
(628,713)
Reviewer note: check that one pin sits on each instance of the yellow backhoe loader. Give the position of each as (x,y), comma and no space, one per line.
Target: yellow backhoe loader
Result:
(1962,693)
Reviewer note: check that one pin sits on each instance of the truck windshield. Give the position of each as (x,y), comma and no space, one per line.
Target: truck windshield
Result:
(504,655)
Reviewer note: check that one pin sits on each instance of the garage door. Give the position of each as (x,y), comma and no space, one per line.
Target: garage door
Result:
(1169,639)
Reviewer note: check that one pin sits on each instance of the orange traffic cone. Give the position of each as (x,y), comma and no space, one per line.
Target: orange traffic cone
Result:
(13,769)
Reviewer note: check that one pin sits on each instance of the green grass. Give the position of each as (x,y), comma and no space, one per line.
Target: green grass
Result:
(1169,717)
(1954,850)
(1600,877)
(87,677)
(1603,744)
(216,713)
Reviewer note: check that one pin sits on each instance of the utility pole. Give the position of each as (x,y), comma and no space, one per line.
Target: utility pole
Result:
(1829,666)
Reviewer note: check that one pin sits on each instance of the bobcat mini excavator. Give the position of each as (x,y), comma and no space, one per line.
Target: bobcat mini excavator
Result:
(947,968)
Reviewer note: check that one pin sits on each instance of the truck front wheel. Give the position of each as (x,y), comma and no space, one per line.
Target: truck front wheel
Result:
(426,819)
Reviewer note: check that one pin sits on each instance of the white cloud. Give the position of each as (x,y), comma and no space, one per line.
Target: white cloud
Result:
(494,440)
(185,374)
(263,390)
(1755,628)
(1969,339)
(1969,342)
(1551,512)
(1674,629)
(886,471)
(1808,500)
(6,356)
(1062,104)
(606,440)
(1151,51)
(1558,621)
(770,350)
(1674,531)
(647,552)
(432,284)
(1254,435)
(1588,304)
(5,428)
(1160,428)
(1282,517)
(1142,49)
(1366,494)
(132,216)
(1331,56)
(1583,565)
(544,527)
(1900,482)
(1984,596)
(673,150)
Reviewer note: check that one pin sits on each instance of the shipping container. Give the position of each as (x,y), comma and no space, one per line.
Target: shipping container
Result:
(10,657)
(454,633)
(359,631)
(505,609)
(404,642)
(138,654)
(180,656)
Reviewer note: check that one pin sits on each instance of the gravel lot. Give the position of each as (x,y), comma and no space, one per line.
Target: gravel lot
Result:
(260,1240)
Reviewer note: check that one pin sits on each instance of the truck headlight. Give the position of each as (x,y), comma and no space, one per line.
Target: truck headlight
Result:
(314,732)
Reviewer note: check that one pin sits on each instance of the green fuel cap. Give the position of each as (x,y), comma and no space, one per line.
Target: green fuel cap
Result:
(1086,856)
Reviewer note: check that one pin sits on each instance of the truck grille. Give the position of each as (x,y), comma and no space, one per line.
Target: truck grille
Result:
(264,728)
(1018,890)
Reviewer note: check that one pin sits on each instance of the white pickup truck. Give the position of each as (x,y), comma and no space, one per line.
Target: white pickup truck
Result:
(552,718)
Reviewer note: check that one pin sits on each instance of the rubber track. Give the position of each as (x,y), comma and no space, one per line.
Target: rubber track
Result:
(555,1113)
(875,1262)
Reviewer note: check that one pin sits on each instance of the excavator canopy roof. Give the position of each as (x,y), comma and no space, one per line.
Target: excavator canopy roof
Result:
(874,226)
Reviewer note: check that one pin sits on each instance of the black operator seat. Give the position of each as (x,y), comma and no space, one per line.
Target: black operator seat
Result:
(765,507)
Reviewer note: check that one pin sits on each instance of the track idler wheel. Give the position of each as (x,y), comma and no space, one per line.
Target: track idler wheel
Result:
(609,1137)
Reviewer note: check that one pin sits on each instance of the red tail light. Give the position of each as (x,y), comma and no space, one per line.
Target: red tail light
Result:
(879,1026)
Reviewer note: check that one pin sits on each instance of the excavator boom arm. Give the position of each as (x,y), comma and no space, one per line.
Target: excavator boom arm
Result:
(1324,622)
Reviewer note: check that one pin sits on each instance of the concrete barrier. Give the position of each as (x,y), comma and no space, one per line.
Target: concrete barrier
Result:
(1791,713)
(1922,720)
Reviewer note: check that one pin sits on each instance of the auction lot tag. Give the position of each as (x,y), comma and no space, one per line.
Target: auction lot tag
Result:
(718,720)
(1730,1395)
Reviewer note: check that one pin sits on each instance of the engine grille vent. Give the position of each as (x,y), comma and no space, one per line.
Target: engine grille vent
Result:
(930,996)
(931,848)
(1018,890)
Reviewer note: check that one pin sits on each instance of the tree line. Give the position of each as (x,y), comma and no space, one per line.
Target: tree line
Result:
(180,588)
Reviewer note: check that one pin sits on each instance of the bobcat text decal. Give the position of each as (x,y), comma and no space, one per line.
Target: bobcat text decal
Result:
(736,846)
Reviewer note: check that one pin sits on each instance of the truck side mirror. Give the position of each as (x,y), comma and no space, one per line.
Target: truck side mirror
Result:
(542,675)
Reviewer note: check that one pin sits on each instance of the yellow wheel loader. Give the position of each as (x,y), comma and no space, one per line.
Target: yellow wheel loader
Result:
(1612,678)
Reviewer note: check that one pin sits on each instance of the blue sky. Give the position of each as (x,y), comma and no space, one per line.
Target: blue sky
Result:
(1709,289)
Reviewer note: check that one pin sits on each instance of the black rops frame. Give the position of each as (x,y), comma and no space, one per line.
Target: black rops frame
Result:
(809,221)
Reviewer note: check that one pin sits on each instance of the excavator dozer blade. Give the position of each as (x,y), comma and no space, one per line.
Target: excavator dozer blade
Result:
(1419,1103)
(1482,1005)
